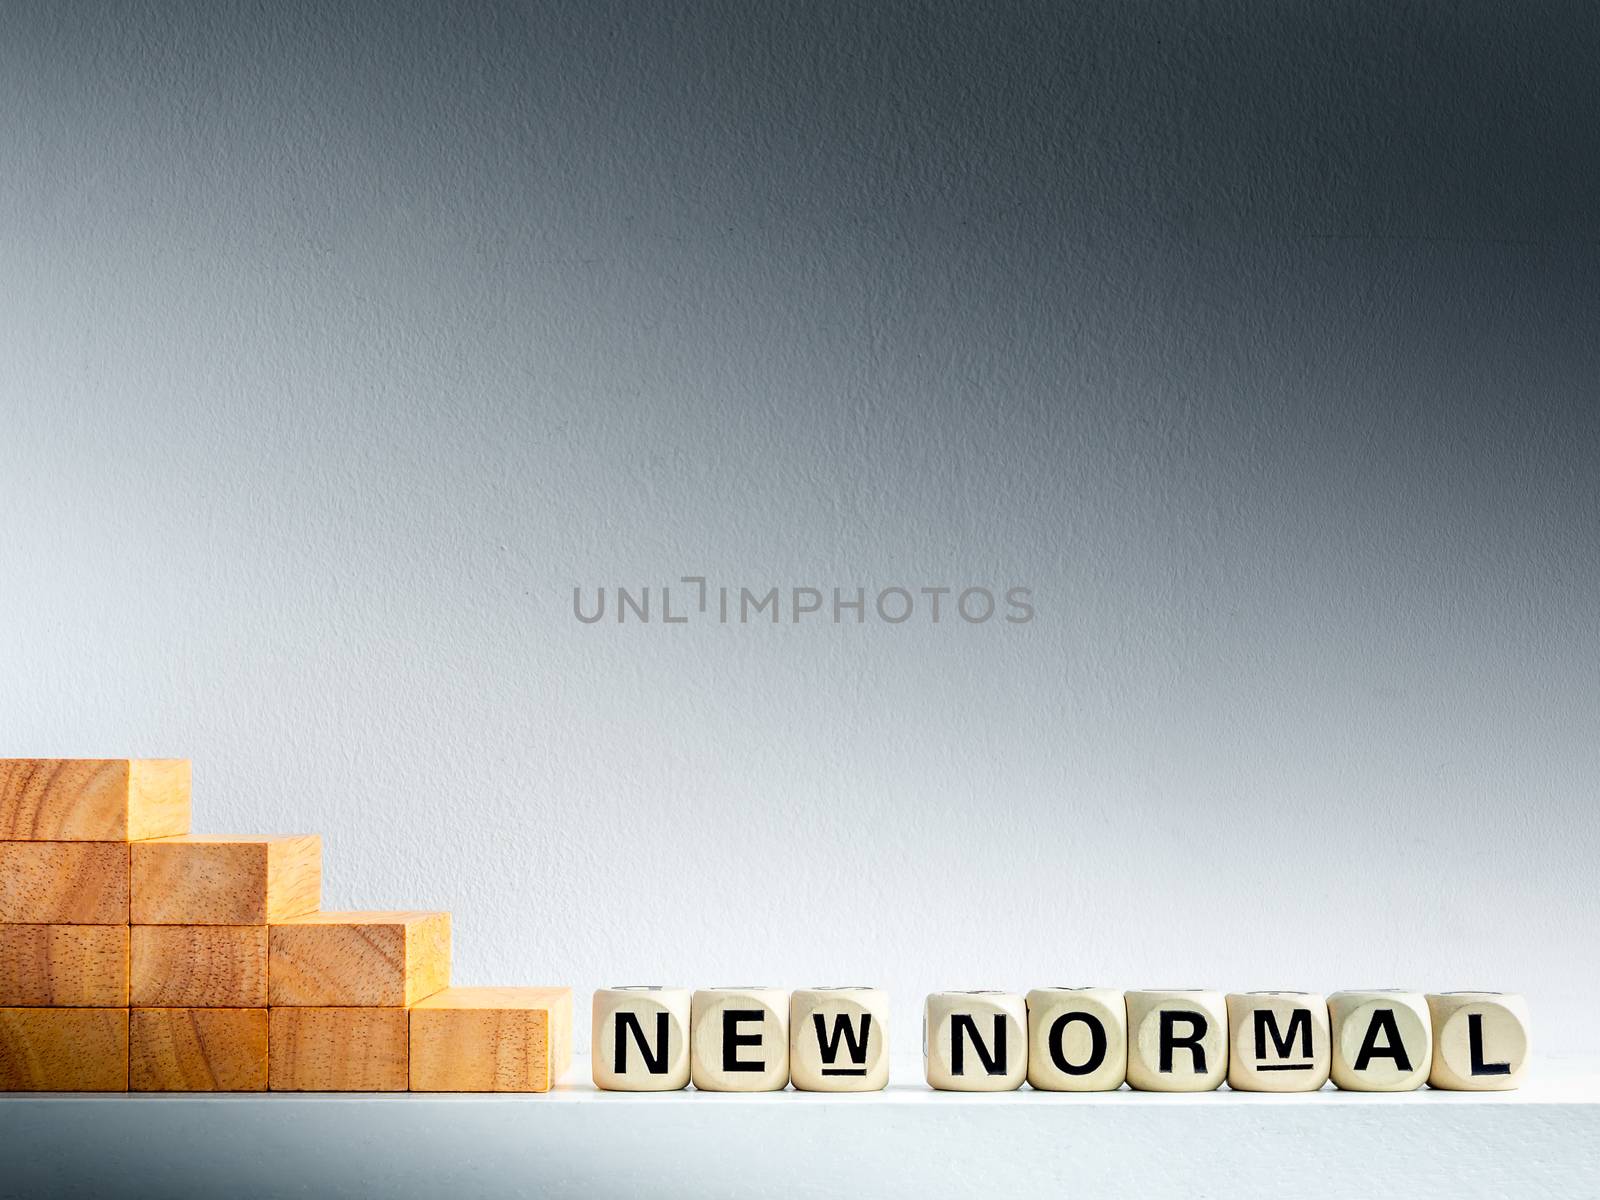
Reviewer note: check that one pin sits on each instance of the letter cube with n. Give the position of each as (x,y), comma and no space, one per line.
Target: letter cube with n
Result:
(1480,1041)
(1177,1041)
(975,1041)
(1077,1039)
(1281,1042)
(739,1039)
(641,1039)
(1382,1040)
(839,1039)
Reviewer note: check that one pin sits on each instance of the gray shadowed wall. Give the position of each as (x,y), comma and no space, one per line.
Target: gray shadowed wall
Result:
(1261,341)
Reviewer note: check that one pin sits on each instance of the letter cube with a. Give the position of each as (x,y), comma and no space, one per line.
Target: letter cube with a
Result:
(1382,1040)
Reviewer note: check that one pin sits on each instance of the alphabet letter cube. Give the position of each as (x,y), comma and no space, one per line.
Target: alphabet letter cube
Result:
(199,966)
(839,1039)
(63,1049)
(199,880)
(1177,1040)
(65,966)
(64,883)
(359,958)
(1077,1039)
(1382,1040)
(1281,1042)
(93,799)
(975,1041)
(198,1050)
(1480,1041)
(338,1049)
(739,1039)
(640,1039)
(492,1039)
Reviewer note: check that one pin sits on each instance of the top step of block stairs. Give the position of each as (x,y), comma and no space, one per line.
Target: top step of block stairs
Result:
(135,955)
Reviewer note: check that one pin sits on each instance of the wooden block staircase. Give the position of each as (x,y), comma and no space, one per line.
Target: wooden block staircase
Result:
(135,955)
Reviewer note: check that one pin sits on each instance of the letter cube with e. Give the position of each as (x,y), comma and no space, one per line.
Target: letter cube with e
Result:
(1382,1040)
(640,1039)
(1480,1041)
(1280,1042)
(839,1039)
(1177,1040)
(975,1041)
(739,1039)
(1077,1039)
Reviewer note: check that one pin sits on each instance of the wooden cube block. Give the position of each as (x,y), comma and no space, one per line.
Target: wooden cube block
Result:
(93,799)
(1382,1040)
(329,959)
(64,883)
(338,1049)
(203,880)
(1077,1039)
(492,1039)
(1177,1040)
(64,966)
(63,1049)
(739,1039)
(197,1050)
(199,966)
(1480,1041)
(1281,1041)
(839,1039)
(639,1038)
(975,1041)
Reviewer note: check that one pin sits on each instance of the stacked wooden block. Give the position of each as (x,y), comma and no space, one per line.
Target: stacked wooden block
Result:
(134,955)
(757,1039)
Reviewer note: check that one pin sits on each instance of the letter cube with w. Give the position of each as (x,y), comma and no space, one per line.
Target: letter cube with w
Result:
(975,1041)
(839,1039)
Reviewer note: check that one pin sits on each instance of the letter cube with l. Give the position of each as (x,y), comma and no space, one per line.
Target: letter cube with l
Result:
(1382,1040)
(1177,1040)
(975,1041)
(640,1039)
(1280,1042)
(739,1038)
(839,1039)
(1077,1039)
(1480,1041)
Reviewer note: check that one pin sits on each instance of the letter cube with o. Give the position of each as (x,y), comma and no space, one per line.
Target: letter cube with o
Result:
(1281,1042)
(640,1040)
(975,1041)
(1480,1041)
(839,1039)
(1382,1040)
(1077,1039)
(739,1039)
(1177,1040)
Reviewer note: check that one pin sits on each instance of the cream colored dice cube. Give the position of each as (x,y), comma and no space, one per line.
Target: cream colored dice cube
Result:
(640,1038)
(839,1039)
(975,1041)
(740,1039)
(1077,1039)
(1177,1040)
(1280,1041)
(1382,1040)
(1480,1041)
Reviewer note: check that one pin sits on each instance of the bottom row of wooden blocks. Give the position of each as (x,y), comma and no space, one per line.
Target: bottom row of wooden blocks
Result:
(457,1040)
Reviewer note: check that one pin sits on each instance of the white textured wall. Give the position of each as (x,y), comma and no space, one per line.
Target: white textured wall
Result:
(337,346)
